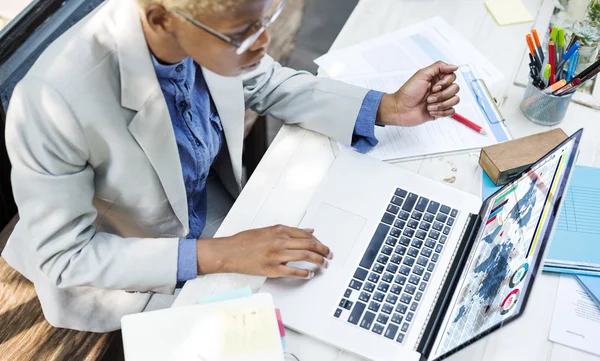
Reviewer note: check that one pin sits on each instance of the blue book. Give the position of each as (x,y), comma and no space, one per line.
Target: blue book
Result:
(575,247)
(591,286)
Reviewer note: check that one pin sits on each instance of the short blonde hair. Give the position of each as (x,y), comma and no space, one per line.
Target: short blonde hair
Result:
(196,7)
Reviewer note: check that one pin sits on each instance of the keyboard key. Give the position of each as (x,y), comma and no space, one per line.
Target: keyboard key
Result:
(430,266)
(388,277)
(396,258)
(343,303)
(392,268)
(416,215)
(417,243)
(378,329)
(433,207)
(397,201)
(450,222)
(441,217)
(425,226)
(438,226)
(413,252)
(374,306)
(378,296)
(401,250)
(387,250)
(404,215)
(414,306)
(364,296)
(454,213)
(435,257)
(400,337)
(446,231)
(392,208)
(361,274)
(414,279)
(410,289)
(401,280)
(418,296)
(426,252)
(378,268)
(404,270)
(434,234)
(405,298)
(405,327)
(421,234)
(373,277)
(428,217)
(391,331)
(388,218)
(374,246)
(391,298)
(396,289)
(409,232)
(422,261)
(348,293)
(409,261)
(445,209)
(443,239)
(391,241)
(383,287)
(409,316)
(399,223)
(383,259)
(356,313)
(356,285)
(422,204)
(401,308)
(347,304)
(427,276)
(367,320)
(413,223)
(369,287)
(429,243)
(422,286)
(397,318)
(382,318)
(418,270)
(410,201)
(405,241)
(438,248)
(400,193)
(387,308)
(337,313)
(395,232)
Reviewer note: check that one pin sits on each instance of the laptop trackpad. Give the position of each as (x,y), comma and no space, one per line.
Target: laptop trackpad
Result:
(336,228)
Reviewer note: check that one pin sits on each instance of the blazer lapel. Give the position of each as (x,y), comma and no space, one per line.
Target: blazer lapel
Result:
(228,96)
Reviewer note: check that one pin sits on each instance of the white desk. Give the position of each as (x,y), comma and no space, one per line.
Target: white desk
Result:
(292,169)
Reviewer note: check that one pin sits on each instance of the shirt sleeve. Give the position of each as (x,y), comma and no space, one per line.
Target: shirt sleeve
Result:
(187,264)
(363,138)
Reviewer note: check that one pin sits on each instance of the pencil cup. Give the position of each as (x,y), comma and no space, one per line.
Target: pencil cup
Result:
(542,108)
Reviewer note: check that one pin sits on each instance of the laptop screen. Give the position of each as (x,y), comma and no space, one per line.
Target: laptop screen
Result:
(507,251)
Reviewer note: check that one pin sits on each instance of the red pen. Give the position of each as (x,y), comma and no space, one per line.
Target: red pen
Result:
(552,62)
(469,123)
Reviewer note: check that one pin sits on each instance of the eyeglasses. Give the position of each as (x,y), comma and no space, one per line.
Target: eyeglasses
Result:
(256,30)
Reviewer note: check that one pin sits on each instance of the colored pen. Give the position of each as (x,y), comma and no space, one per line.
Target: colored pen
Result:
(568,55)
(554,87)
(572,66)
(574,38)
(469,123)
(536,60)
(567,88)
(547,71)
(552,58)
(588,70)
(538,45)
(561,43)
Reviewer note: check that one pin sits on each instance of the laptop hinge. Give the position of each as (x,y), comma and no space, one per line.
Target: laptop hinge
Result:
(451,278)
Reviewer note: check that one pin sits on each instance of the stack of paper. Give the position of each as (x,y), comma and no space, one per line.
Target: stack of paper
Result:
(387,62)
(508,12)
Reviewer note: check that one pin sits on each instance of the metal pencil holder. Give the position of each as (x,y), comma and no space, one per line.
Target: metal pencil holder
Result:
(543,108)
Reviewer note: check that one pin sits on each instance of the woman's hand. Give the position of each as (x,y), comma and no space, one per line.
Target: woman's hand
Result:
(263,252)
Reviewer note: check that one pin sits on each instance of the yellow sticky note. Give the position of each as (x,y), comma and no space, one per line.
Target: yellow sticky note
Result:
(508,12)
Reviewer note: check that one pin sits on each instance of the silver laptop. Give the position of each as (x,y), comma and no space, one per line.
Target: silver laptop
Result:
(421,269)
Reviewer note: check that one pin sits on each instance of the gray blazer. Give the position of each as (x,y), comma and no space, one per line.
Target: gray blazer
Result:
(96,171)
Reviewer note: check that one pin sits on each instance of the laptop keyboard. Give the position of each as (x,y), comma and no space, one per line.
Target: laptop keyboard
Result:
(390,280)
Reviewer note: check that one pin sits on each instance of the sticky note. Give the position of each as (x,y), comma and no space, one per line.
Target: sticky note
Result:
(508,12)
(248,331)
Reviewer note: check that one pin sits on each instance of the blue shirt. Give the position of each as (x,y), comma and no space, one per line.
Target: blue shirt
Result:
(199,137)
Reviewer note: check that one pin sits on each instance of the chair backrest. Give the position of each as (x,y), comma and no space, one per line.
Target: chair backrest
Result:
(21,43)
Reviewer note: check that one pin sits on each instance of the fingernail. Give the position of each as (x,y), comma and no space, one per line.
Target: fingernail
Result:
(432,107)
(325,263)
(309,230)
(432,99)
(311,274)
(437,88)
(330,255)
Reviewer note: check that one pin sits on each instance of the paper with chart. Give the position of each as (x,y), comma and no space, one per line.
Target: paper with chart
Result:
(575,247)
(440,136)
(576,320)
(410,48)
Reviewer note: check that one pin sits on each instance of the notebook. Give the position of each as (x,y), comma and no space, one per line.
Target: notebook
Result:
(592,287)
